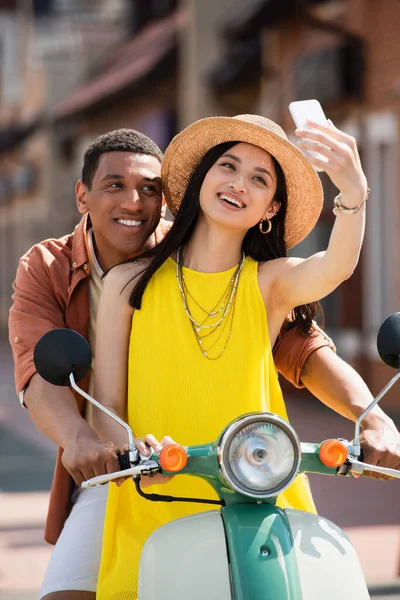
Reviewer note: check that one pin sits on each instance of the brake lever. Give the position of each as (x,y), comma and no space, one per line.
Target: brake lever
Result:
(148,468)
(358,467)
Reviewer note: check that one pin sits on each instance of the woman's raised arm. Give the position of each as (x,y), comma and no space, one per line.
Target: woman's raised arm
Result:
(299,281)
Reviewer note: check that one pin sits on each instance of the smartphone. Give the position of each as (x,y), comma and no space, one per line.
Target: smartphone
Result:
(301,112)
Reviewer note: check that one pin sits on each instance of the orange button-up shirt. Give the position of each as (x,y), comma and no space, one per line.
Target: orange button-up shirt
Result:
(51,290)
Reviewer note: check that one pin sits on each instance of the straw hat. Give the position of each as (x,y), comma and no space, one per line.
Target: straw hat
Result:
(304,190)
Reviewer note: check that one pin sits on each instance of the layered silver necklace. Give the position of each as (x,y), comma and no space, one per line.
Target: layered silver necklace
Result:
(210,330)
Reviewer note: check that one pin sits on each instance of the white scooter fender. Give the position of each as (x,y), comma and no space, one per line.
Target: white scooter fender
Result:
(187,558)
(327,562)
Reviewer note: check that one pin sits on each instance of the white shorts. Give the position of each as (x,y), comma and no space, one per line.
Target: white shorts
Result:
(75,561)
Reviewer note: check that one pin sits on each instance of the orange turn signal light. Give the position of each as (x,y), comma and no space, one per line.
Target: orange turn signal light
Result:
(332,453)
(173,458)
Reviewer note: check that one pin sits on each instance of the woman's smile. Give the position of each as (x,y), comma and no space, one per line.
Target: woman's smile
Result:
(231,201)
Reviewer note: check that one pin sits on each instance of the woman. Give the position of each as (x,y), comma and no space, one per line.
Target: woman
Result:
(212,298)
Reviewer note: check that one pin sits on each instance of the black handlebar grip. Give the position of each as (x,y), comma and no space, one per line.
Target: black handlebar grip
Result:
(361,457)
(123,460)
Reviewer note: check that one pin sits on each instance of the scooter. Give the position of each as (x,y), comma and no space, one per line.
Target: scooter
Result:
(248,549)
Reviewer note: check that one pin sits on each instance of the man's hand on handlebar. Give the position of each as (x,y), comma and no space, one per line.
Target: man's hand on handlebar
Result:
(86,456)
(380,442)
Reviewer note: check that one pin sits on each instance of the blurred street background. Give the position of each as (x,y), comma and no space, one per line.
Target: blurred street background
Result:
(73,69)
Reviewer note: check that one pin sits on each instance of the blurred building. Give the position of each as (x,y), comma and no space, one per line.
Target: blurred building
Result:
(46,47)
(157,65)
(261,55)
(21,147)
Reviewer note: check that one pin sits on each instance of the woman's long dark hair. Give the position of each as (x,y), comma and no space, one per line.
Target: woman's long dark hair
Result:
(260,247)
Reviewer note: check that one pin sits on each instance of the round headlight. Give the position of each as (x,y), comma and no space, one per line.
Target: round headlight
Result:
(259,455)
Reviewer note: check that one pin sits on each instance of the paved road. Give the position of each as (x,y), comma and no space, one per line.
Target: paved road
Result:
(369,511)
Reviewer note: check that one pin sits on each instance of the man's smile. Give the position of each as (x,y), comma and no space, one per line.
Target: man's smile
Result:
(130,222)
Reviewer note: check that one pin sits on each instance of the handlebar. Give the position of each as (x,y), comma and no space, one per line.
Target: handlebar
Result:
(310,463)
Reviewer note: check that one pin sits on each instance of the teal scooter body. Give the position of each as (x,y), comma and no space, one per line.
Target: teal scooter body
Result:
(260,546)
(250,549)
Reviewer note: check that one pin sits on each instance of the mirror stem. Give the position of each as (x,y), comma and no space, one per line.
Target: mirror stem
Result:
(356,442)
(132,452)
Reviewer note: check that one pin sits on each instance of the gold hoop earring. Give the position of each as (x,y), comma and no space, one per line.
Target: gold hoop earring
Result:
(261,226)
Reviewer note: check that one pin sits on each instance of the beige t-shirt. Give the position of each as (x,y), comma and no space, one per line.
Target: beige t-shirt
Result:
(95,289)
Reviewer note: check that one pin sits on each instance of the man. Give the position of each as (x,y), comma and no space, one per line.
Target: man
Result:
(58,284)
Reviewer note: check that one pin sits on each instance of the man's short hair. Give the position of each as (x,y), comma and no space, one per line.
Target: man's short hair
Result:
(120,140)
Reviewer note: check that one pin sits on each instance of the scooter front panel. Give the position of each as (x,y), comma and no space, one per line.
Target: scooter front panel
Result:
(260,545)
(328,565)
(186,558)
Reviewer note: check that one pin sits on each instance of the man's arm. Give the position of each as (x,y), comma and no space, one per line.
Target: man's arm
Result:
(311,361)
(53,410)
(340,387)
(55,413)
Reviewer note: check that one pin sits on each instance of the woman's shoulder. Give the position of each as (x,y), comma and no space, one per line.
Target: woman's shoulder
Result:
(121,278)
(124,271)
(272,272)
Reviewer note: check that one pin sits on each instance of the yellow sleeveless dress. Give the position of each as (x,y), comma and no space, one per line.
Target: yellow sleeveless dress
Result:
(174,390)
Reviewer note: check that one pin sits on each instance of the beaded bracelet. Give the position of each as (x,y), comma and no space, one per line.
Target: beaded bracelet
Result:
(338,206)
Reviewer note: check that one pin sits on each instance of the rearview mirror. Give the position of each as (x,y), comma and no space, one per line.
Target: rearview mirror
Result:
(388,341)
(61,352)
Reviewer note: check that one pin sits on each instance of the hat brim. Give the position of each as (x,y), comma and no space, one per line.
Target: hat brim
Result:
(304,189)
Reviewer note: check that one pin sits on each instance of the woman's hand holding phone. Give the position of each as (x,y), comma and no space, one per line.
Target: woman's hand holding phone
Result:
(329,149)
(339,159)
